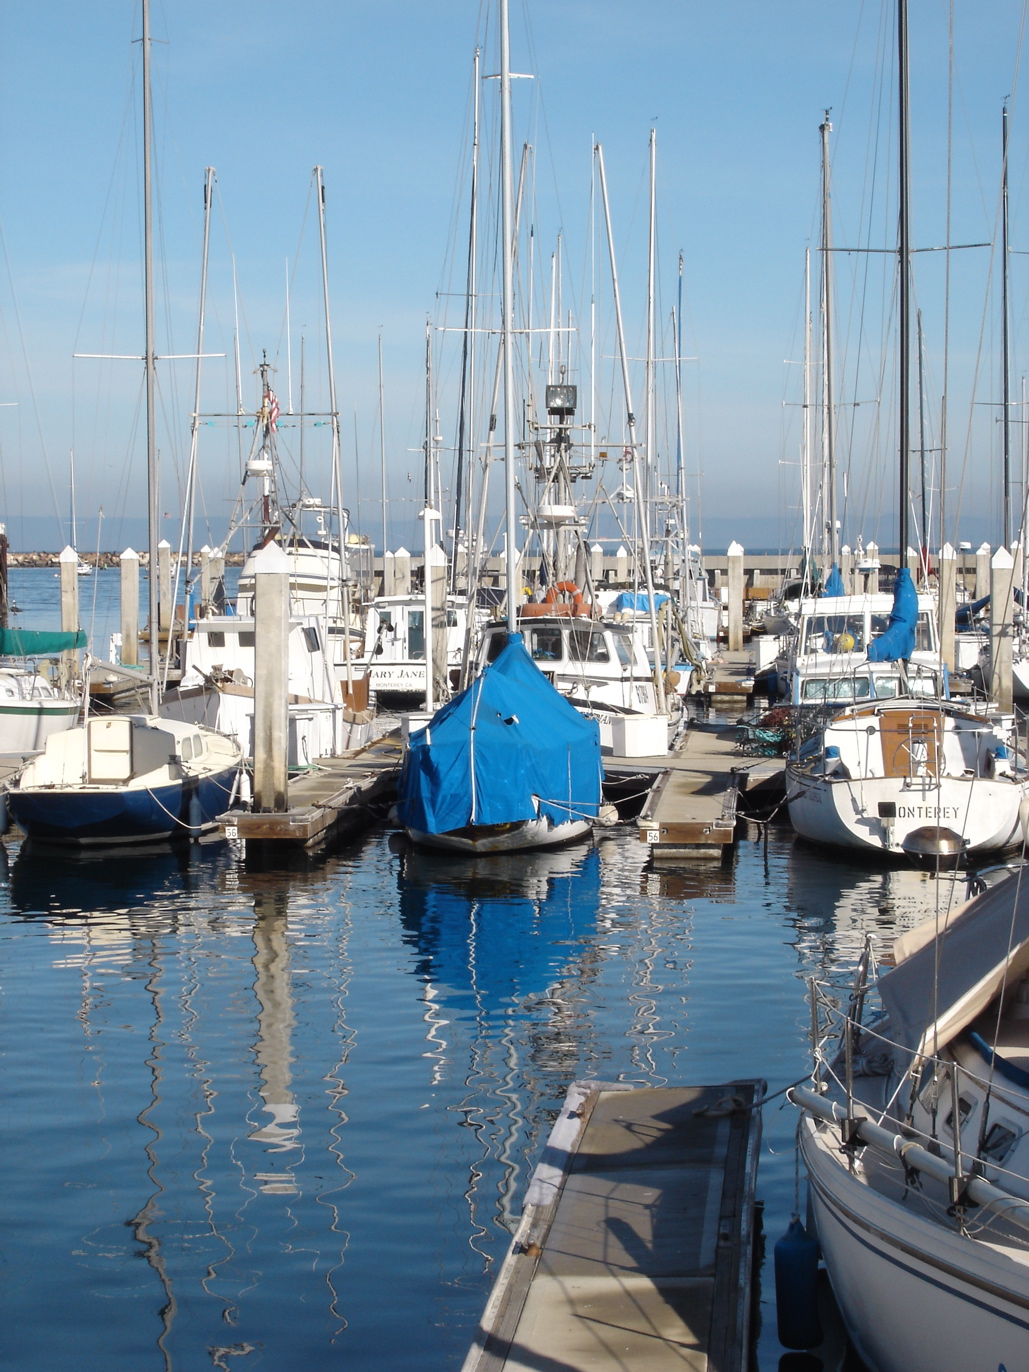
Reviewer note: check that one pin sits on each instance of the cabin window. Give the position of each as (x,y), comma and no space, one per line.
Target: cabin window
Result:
(924,633)
(545,645)
(999,1141)
(416,633)
(246,640)
(451,619)
(495,646)
(836,634)
(216,640)
(844,688)
(310,638)
(186,749)
(623,647)
(386,620)
(587,645)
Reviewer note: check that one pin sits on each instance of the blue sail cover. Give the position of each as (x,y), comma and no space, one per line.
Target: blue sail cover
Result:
(898,642)
(834,584)
(507,739)
(636,600)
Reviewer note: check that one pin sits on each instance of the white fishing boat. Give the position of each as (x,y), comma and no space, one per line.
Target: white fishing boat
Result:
(598,666)
(915,1137)
(32,708)
(393,652)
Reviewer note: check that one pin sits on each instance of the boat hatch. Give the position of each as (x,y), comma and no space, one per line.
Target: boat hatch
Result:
(110,750)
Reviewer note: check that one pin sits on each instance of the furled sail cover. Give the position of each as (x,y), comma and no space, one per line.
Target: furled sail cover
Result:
(898,642)
(933,993)
(38,642)
(834,583)
(508,748)
(636,600)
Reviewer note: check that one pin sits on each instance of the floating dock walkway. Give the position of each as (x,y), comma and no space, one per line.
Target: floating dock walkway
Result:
(636,1243)
(330,800)
(693,804)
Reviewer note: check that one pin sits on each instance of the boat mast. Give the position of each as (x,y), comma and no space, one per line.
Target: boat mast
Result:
(507,328)
(1005,341)
(805,455)
(382,458)
(466,418)
(680,456)
(923,555)
(195,434)
(150,363)
(659,678)
(904,253)
(651,415)
(337,473)
(831,539)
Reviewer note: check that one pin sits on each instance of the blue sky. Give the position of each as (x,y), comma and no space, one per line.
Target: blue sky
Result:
(379,95)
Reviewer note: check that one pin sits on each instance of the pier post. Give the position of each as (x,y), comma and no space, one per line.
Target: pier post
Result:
(872,553)
(597,564)
(437,573)
(734,576)
(129,608)
(847,569)
(1002,567)
(69,561)
(622,563)
(164,586)
(983,579)
(948,603)
(218,580)
(271,679)
(205,581)
(401,572)
(387,573)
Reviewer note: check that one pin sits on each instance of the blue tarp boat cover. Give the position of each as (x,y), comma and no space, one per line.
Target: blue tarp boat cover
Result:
(636,600)
(492,751)
(898,642)
(834,584)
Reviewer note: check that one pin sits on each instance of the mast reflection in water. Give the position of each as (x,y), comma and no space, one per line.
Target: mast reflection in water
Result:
(287,1118)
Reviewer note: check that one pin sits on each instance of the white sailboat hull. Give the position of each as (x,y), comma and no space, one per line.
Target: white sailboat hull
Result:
(505,838)
(915,1296)
(848,813)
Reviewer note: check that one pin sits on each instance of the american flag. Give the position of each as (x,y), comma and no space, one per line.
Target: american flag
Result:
(273,409)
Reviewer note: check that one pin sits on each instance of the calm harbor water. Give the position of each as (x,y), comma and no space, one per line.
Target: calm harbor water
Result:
(285,1118)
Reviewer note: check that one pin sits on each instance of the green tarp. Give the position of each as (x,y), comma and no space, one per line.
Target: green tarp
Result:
(37,642)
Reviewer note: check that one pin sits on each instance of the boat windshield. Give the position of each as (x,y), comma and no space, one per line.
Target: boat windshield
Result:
(835,634)
(623,647)
(838,688)
(545,644)
(588,645)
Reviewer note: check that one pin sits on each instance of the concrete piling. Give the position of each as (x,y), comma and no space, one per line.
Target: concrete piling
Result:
(1002,567)
(69,563)
(735,582)
(948,603)
(982,571)
(129,562)
(271,679)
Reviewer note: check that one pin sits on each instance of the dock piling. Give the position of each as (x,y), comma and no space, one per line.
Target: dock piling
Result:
(69,561)
(164,586)
(735,580)
(982,571)
(271,679)
(129,561)
(948,603)
(1002,567)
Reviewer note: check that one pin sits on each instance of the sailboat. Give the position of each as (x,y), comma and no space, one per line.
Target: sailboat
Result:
(508,763)
(910,776)
(130,778)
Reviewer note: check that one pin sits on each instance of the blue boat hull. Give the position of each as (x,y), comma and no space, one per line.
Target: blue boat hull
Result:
(181,809)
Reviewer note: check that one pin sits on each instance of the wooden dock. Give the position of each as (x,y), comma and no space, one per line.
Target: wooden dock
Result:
(695,801)
(636,1243)
(338,796)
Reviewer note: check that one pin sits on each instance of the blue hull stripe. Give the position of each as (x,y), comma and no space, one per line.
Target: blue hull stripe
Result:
(122,815)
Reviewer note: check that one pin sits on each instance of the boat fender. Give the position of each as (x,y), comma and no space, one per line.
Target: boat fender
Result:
(796,1288)
(196,816)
